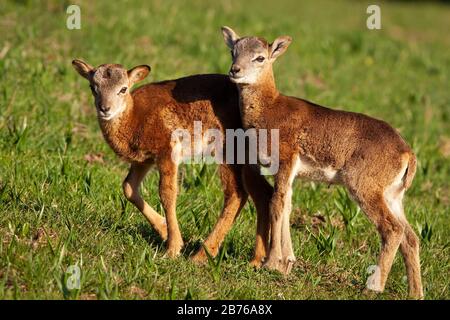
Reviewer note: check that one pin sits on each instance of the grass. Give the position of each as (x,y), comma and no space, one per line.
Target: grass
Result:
(61,202)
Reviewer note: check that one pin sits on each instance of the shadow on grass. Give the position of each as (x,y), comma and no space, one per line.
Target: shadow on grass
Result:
(191,247)
(148,233)
(145,231)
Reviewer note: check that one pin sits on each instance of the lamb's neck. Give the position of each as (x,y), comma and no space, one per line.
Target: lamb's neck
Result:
(117,130)
(254,98)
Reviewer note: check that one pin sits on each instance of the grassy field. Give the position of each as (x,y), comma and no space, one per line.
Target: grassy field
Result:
(61,201)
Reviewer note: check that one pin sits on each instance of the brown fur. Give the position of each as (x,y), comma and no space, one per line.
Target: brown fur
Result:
(364,154)
(141,135)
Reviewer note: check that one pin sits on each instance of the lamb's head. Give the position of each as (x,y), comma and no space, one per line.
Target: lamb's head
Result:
(110,85)
(252,57)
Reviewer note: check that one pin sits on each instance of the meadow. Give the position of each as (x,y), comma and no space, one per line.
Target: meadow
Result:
(61,201)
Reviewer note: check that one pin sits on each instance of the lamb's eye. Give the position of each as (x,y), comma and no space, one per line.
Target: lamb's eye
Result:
(232,53)
(92,89)
(123,90)
(260,59)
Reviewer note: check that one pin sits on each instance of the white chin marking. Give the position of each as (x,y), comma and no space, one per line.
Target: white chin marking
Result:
(243,80)
(236,80)
(114,114)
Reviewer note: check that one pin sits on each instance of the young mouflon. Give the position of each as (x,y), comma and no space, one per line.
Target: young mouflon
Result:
(364,154)
(138,126)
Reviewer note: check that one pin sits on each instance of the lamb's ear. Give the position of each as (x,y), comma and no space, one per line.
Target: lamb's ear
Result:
(83,68)
(138,73)
(279,46)
(229,36)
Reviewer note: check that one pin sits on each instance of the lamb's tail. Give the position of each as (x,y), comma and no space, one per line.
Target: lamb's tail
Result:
(410,171)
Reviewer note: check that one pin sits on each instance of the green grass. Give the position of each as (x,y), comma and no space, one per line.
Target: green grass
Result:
(58,210)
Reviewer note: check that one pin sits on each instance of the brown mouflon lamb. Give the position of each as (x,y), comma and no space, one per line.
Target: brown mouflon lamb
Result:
(138,126)
(364,154)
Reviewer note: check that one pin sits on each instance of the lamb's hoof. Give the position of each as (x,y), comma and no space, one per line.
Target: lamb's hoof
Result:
(173,251)
(199,257)
(274,264)
(416,294)
(163,235)
(257,262)
(282,265)
(288,264)
(161,229)
(172,254)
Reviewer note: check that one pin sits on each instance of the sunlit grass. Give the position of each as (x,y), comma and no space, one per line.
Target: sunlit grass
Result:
(57,209)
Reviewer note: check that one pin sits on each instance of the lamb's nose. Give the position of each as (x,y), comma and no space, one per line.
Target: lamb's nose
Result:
(235,69)
(103,108)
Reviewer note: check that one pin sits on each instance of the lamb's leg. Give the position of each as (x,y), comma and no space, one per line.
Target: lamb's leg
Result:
(131,186)
(168,190)
(286,242)
(391,230)
(261,193)
(235,198)
(279,213)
